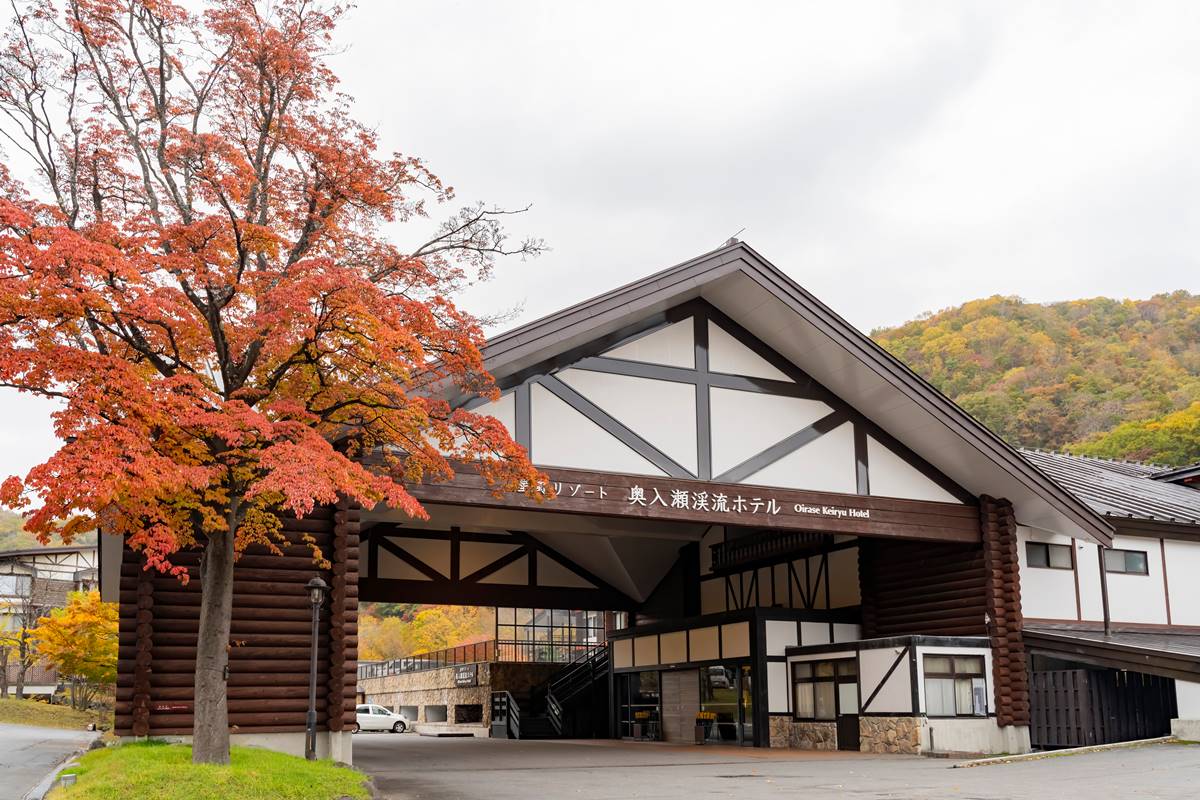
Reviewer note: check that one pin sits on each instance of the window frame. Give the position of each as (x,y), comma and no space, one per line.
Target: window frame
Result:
(1145,554)
(953,675)
(835,678)
(1049,547)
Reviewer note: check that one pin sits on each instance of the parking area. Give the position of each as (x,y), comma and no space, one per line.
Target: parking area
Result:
(439,769)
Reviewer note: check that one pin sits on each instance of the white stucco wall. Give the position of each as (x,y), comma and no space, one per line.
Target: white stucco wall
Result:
(895,695)
(1046,593)
(1183,577)
(1138,598)
(1050,593)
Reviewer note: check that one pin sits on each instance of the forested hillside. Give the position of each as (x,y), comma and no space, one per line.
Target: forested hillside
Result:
(12,537)
(1114,378)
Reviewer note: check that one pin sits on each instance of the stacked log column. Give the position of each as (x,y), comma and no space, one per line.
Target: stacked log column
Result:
(1009,664)
(343,616)
(143,652)
(269,636)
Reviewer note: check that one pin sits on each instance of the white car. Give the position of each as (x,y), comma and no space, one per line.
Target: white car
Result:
(377,718)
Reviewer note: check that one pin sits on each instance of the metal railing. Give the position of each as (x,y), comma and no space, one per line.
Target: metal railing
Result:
(762,547)
(449,657)
(492,650)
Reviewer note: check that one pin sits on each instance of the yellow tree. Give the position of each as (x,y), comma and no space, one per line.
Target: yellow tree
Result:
(80,641)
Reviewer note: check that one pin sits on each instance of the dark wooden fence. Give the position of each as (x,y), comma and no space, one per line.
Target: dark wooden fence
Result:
(1078,707)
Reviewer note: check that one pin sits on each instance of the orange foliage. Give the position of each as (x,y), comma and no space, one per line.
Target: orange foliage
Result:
(207,285)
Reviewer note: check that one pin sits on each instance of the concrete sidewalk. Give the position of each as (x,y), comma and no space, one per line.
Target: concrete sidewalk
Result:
(411,767)
(28,753)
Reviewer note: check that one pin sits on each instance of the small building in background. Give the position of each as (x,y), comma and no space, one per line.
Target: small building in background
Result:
(33,582)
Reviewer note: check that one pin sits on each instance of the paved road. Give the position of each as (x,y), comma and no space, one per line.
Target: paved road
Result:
(28,753)
(418,768)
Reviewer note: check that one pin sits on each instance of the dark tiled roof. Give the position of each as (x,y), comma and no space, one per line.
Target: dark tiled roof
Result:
(1183,644)
(1120,489)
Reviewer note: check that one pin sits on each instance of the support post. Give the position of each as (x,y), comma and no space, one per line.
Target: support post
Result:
(1104,590)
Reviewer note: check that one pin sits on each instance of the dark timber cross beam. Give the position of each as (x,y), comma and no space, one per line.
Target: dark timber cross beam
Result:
(480,587)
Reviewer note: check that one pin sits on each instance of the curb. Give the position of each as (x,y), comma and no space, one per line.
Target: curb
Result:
(43,787)
(1073,751)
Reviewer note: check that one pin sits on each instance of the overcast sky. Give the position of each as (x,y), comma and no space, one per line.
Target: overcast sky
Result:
(892,158)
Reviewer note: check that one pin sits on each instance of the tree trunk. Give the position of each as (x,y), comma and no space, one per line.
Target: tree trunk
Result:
(210,728)
(22,663)
(4,652)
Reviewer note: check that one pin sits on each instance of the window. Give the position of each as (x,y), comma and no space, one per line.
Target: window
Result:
(435,713)
(825,689)
(1048,556)
(14,585)
(1128,562)
(955,686)
(547,634)
(468,713)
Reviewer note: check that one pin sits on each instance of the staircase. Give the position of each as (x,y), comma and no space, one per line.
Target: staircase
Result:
(577,688)
(572,704)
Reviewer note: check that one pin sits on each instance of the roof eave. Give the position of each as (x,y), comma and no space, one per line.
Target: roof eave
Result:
(517,349)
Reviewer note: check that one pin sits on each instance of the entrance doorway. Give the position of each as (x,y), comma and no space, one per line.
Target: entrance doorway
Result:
(727,697)
(828,690)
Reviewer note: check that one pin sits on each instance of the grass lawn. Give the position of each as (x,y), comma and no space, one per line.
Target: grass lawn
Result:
(34,712)
(154,769)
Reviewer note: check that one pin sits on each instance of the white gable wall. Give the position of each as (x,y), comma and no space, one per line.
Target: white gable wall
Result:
(892,476)
(823,465)
(726,354)
(503,410)
(660,408)
(746,423)
(661,412)
(562,437)
(673,346)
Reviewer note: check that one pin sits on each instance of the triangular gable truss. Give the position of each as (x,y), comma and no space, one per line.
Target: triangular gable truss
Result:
(591,357)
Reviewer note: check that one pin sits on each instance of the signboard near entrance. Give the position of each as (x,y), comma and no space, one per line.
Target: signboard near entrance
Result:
(709,502)
(466,675)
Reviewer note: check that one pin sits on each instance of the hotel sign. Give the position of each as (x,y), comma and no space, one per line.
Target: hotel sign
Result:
(707,502)
(466,675)
(718,502)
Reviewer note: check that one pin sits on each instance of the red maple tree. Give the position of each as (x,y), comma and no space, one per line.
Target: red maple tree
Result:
(204,279)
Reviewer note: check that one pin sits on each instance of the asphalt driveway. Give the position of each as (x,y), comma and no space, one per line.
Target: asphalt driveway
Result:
(414,767)
(28,753)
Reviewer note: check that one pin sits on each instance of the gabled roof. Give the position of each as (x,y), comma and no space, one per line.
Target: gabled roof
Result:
(1121,489)
(781,313)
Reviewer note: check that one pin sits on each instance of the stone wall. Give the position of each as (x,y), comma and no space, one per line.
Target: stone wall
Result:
(435,687)
(780,730)
(813,736)
(889,735)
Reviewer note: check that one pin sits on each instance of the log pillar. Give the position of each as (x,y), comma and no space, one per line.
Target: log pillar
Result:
(143,650)
(343,607)
(1010,668)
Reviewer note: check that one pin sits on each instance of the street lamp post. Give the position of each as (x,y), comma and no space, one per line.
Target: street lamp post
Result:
(316,593)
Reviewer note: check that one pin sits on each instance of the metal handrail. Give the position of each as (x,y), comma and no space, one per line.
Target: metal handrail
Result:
(524,651)
(571,681)
(505,705)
